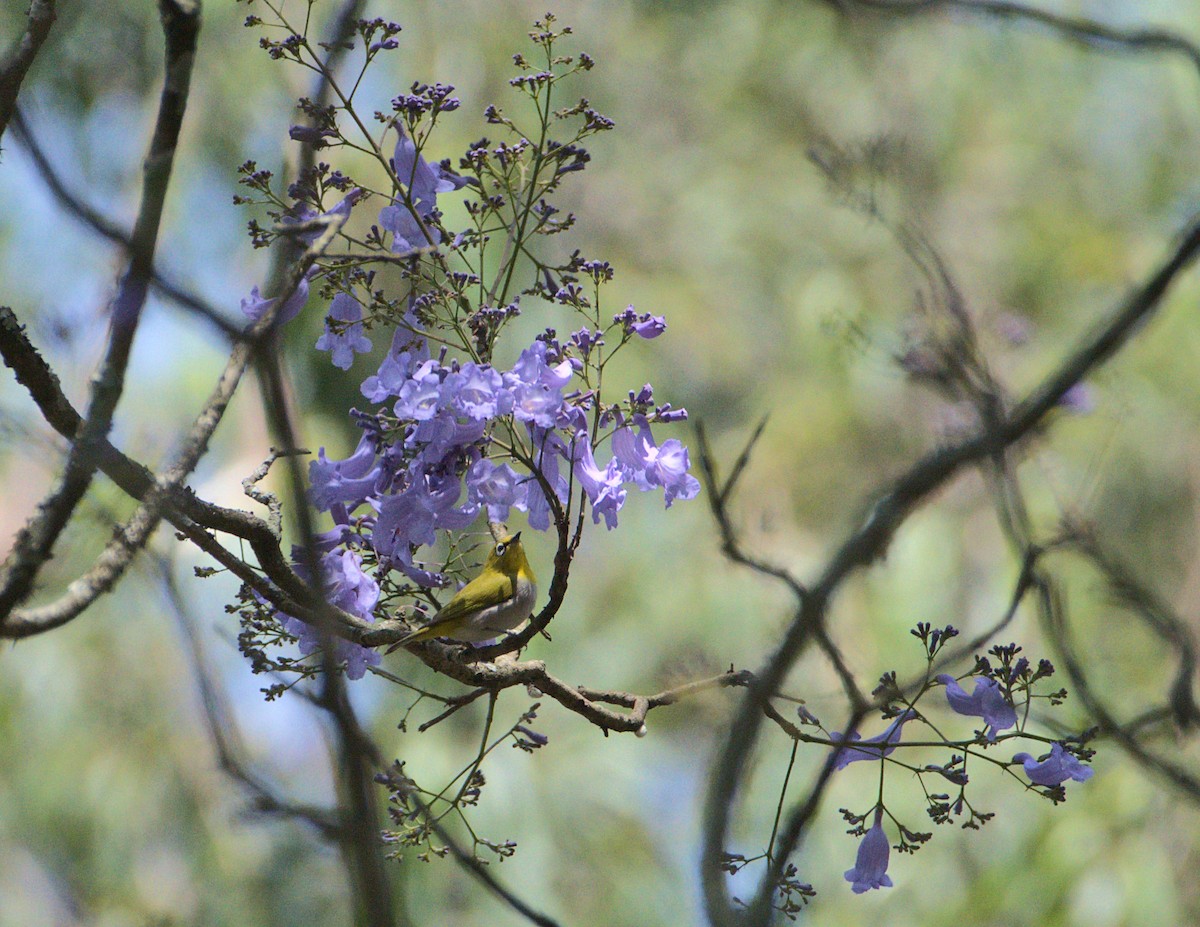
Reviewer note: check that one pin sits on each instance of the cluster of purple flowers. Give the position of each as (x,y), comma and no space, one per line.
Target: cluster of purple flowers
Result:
(442,450)
(349,588)
(413,474)
(986,701)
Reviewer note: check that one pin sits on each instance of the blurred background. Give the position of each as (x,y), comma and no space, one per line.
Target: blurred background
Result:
(1050,178)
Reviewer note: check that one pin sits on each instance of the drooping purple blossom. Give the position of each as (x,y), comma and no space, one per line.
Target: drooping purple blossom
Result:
(549,452)
(497,486)
(987,701)
(311,135)
(348,482)
(478,392)
(255,305)
(537,404)
(305,213)
(407,353)
(424,182)
(421,396)
(1055,768)
(604,488)
(650,327)
(413,516)
(442,436)
(650,465)
(646,325)
(847,755)
(870,865)
(532,367)
(349,588)
(408,234)
(343,341)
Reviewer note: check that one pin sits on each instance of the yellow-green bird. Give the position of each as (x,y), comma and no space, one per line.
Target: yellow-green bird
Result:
(495,601)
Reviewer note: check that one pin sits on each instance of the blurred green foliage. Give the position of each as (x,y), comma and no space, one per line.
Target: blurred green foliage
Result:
(1049,177)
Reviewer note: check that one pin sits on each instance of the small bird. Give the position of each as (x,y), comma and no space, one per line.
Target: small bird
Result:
(495,601)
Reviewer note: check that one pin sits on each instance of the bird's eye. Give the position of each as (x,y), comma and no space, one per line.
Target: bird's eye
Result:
(500,550)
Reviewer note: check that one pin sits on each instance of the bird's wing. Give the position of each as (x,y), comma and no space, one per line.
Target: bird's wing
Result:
(491,590)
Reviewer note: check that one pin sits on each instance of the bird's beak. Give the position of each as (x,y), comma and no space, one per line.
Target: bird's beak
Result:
(517,536)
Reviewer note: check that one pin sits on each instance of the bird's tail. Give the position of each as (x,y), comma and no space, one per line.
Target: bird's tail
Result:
(423,634)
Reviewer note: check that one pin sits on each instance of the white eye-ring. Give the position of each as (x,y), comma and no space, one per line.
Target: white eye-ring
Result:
(499,550)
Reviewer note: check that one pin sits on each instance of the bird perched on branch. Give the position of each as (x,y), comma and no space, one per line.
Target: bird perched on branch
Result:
(494,602)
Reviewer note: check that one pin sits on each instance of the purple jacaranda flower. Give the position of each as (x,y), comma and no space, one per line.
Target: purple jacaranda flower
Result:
(478,392)
(549,450)
(987,702)
(424,180)
(344,341)
(647,325)
(498,486)
(305,213)
(407,353)
(347,587)
(408,234)
(348,481)
(535,739)
(891,736)
(405,519)
(650,465)
(650,327)
(351,589)
(1054,769)
(311,135)
(870,866)
(532,368)
(442,436)
(413,516)
(535,403)
(403,561)
(255,305)
(337,536)
(604,487)
(421,395)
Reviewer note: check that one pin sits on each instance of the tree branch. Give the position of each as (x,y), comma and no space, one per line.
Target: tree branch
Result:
(21,56)
(871,540)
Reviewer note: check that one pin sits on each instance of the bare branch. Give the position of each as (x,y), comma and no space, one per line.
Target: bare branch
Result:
(222,728)
(101,224)
(36,540)
(871,540)
(718,497)
(1086,32)
(467,860)
(21,57)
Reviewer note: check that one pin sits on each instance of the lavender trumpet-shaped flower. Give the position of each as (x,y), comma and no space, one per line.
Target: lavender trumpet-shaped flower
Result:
(891,736)
(987,702)
(1054,769)
(870,866)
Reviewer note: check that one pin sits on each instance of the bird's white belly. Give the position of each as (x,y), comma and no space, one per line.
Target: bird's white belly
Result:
(497,619)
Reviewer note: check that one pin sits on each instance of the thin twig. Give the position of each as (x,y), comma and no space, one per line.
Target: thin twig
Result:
(21,56)
(103,226)
(871,540)
(36,540)
(1088,32)
(222,728)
